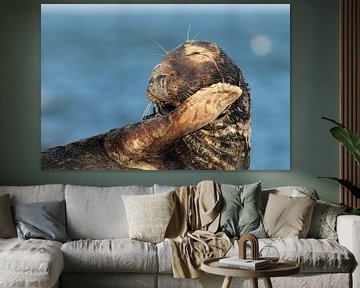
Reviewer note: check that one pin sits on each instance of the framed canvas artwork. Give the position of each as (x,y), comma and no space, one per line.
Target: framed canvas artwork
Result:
(165,86)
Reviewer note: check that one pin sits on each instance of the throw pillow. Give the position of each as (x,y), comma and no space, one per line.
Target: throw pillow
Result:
(44,220)
(292,191)
(7,227)
(288,217)
(240,210)
(323,222)
(149,215)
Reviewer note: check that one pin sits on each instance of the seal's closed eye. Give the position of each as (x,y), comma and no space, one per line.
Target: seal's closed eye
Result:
(200,56)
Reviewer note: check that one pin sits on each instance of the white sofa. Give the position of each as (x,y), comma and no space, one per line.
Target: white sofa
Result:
(101,254)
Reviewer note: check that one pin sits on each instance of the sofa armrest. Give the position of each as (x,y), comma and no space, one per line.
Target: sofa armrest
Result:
(348,230)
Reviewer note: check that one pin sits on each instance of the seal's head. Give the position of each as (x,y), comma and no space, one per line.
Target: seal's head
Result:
(224,143)
(188,68)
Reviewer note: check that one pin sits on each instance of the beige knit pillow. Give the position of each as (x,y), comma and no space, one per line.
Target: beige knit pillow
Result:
(288,217)
(149,215)
(7,226)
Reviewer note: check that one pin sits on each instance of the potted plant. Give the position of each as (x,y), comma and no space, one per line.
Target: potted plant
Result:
(351,141)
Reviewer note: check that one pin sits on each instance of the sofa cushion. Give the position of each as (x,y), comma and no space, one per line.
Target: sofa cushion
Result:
(313,255)
(98,213)
(43,220)
(287,216)
(7,226)
(149,215)
(36,193)
(109,280)
(30,263)
(116,255)
(164,257)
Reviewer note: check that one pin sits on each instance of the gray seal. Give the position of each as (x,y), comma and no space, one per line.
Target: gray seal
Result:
(201,120)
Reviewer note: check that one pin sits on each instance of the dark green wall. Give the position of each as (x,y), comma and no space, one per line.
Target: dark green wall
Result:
(314,93)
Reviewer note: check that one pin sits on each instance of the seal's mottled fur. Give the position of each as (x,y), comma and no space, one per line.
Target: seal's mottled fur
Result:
(201,120)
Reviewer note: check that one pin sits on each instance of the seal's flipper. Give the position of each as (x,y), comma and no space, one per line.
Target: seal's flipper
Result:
(127,146)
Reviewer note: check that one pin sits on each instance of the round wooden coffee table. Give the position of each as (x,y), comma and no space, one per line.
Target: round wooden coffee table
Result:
(281,268)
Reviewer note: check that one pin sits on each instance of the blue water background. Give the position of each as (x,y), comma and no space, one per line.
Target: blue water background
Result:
(95,68)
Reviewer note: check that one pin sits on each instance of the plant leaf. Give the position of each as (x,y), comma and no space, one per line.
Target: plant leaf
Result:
(333,121)
(349,139)
(355,211)
(347,184)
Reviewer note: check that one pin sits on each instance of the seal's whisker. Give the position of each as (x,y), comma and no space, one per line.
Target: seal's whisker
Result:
(231,78)
(147,110)
(197,35)
(190,91)
(159,45)
(188,33)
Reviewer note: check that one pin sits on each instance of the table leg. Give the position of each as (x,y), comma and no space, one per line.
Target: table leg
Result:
(227,282)
(267,283)
(254,282)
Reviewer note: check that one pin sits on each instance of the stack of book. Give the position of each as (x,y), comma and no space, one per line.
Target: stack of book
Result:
(248,264)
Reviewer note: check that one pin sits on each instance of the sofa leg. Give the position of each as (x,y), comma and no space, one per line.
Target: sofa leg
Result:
(267,282)
(227,282)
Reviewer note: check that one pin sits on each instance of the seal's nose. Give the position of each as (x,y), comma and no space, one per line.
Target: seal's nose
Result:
(156,89)
(157,80)
(151,82)
(156,72)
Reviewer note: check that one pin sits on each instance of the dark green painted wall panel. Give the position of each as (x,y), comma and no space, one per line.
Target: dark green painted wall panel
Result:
(314,93)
